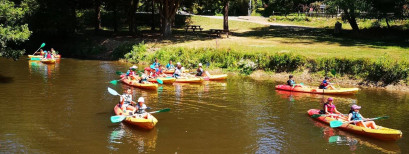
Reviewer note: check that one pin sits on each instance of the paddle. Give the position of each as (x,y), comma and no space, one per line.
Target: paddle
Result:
(42,45)
(119,118)
(113,92)
(337,123)
(333,139)
(159,81)
(320,115)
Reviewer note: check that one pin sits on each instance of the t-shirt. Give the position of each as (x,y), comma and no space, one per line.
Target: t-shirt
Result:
(127,97)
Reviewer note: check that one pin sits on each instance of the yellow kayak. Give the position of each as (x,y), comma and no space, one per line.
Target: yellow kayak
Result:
(150,86)
(216,77)
(189,80)
(48,61)
(171,71)
(166,80)
(145,121)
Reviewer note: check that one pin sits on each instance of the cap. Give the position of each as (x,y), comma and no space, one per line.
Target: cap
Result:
(355,107)
(178,63)
(200,64)
(141,99)
(330,99)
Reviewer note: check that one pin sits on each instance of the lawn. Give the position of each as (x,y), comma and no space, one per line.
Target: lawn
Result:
(309,42)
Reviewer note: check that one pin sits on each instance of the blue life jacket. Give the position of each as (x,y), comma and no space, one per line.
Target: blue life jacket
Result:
(356,116)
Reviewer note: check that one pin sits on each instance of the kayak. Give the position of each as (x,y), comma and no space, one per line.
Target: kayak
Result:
(150,86)
(48,61)
(216,77)
(39,57)
(381,133)
(171,71)
(189,80)
(167,80)
(305,89)
(145,121)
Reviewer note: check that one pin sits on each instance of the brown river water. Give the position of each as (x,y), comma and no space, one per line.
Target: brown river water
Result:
(66,108)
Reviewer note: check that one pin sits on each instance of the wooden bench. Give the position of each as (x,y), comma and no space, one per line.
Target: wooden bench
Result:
(193,28)
(219,32)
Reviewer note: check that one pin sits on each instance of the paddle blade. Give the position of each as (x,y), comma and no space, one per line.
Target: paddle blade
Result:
(114,82)
(333,139)
(115,119)
(163,110)
(317,115)
(335,123)
(119,72)
(112,91)
(333,72)
(159,81)
(42,45)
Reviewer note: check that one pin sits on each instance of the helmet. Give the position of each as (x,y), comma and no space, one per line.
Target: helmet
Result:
(141,99)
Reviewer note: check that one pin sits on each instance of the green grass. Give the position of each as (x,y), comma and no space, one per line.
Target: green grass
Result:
(311,43)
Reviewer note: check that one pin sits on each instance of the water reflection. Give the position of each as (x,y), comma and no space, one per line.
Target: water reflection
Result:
(140,141)
(342,138)
(47,70)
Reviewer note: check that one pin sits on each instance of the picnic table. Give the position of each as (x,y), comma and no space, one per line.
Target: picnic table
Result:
(193,28)
(218,32)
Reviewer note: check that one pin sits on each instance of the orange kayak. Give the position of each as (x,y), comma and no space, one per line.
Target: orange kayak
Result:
(306,89)
(381,133)
(150,86)
(189,80)
(145,121)
(165,80)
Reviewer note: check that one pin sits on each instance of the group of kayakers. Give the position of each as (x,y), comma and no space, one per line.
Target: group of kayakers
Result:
(354,117)
(325,84)
(157,70)
(47,54)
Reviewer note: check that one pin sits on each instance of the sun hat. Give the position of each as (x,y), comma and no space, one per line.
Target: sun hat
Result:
(355,107)
(141,99)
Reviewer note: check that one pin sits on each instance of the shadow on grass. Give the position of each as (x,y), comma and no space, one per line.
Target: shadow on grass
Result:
(5,79)
(374,38)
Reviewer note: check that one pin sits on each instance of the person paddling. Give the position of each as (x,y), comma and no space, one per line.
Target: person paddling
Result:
(325,84)
(170,65)
(178,71)
(357,119)
(291,81)
(201,72)
(141,107)
(126,100)
(131,73)
(330,108)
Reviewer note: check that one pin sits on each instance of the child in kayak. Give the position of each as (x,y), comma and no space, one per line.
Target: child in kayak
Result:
(325,84)
(140,108)
(156,63)
(291,81)
(131,73)
(170,66)
(358,119)
(125,101)
(201,72)
(178,71)
(329,107)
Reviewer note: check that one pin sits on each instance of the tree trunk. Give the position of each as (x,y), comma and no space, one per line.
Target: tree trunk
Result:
(226,16)
(153,16)
(115,17)
(166,27)
(131,16)
(351,19)
(97,25)
(167,12)
(387,22)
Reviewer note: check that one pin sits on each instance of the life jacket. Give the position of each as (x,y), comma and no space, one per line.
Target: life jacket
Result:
(177,72)
(356,116)
(290,82)
(199,72)
(330,108)
(324,83)
(127,98)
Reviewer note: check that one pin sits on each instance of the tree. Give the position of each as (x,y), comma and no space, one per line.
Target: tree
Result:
(97,6)
(226,15)
(167,11)
(350,9)
(12,30)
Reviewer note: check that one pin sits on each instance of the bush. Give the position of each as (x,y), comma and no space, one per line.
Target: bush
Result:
(137,53)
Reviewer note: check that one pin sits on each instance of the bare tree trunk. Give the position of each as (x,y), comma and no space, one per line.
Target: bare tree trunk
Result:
(167,11)
(115,17)
(153,16)
(387,22)
(131,16)
(97,25)
(226,16)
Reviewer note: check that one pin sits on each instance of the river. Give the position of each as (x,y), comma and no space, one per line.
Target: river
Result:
(66,108)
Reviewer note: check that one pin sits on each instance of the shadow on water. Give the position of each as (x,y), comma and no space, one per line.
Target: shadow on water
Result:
(6,79)
(371,38)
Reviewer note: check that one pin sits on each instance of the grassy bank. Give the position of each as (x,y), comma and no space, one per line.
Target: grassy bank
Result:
(323,22)
(380,71)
